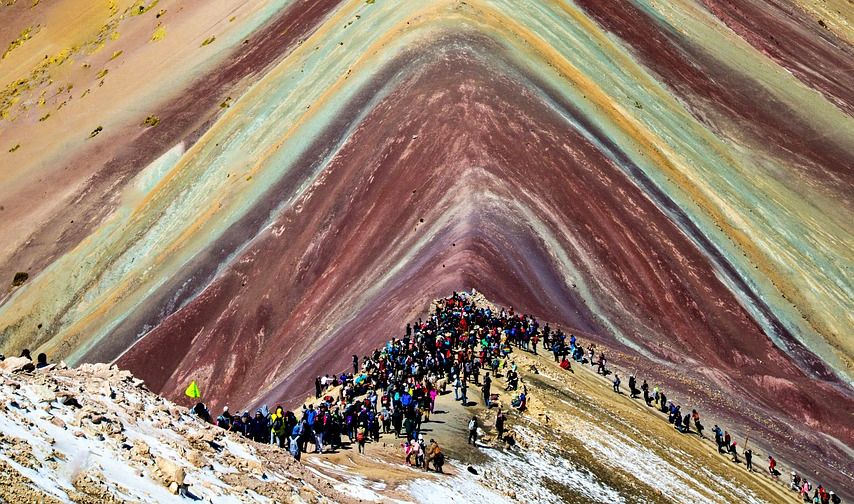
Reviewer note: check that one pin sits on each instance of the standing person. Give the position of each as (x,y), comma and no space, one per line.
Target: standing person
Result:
(361,437)
(734,451)
(320,423)
(355,364)
(457,384)
(499,424)
(748,459)
(294,442)
(487,384)
(317,388)
(421,458)
(260,428)
(278,433)
(473,431)
(616,383)
(463,390)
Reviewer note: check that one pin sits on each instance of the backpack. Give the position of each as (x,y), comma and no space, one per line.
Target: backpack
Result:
(294,447)
(278,424)
(472,425)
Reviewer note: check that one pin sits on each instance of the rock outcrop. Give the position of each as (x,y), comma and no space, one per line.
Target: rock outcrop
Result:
(97,434)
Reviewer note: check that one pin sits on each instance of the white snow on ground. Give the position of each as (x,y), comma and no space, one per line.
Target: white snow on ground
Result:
(123,441)
(617,450)
(744,494)
(353,485)
(515,475)
(463,488)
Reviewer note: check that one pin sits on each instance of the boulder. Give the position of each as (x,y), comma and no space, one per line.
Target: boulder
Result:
(16,365)
(44,394)
(140,450)
(171,471)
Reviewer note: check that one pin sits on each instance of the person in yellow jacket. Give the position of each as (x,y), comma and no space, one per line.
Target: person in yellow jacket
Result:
(278,428)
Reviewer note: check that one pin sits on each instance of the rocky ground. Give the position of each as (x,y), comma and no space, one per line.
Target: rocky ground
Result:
(96,434)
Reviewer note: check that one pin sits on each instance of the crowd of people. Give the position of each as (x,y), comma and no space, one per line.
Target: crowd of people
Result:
(393,390)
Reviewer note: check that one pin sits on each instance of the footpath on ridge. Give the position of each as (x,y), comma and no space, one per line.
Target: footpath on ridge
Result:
(578,439)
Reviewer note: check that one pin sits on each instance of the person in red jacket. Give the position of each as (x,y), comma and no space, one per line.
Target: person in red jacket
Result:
(772,467)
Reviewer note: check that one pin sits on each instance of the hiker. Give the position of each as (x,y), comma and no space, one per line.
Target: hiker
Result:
(361,437)
(697,425)
(202,412)
(748,459)
(473,431)
(294,442)
(805,490)
(633,391)
(412,450)
(319,429)
(487,384)
(719,438)
(796,482)
(223,421)
(41,361)
(499,424)
(520,402)
(435,455)
(772,467)
(601,368)
(278,431)
(260,429)
(355,364)
(616,383)
(734,451)
(240,424)
(457,386)
(421,453)
(317,390)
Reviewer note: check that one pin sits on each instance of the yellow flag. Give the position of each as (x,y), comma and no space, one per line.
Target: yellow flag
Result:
(193,390)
